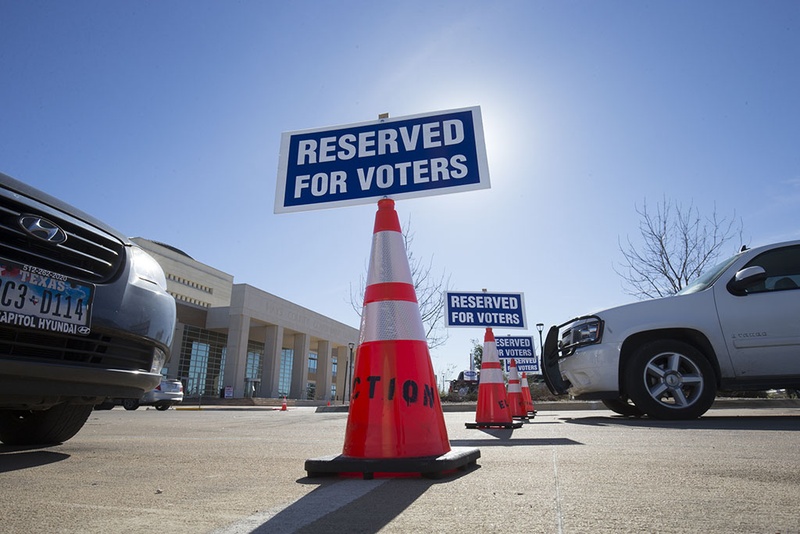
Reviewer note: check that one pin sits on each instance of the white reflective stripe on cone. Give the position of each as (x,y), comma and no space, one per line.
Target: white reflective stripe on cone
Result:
(490,352)
(389,262)
(491,376)
(391,320)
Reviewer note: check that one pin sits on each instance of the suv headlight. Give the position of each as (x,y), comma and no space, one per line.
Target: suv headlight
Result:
(579,332)
(145,267)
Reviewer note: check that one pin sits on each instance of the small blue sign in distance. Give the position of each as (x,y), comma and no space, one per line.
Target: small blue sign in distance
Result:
(403,157)
(488,310)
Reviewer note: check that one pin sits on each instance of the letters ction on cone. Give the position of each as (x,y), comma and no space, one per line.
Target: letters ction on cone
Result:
(492,410)
(516,401)
(395,423)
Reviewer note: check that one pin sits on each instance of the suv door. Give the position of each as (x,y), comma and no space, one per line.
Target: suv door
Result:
(762,327)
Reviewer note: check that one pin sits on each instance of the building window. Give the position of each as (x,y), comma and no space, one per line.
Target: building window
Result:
(334,368)
(333,391)
(201,361)
(312,363)
(253,368)
(285,375)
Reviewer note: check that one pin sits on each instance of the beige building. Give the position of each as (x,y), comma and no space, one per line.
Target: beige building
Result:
(236,340)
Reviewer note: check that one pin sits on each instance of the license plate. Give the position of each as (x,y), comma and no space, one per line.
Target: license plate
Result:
(44,300)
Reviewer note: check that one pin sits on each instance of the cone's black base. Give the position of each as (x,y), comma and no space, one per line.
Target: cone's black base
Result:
(428,467)
(513,424)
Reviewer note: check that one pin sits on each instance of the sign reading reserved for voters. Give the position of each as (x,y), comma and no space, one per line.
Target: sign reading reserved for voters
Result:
(403,157)
(518,347)
(489,310)
(528,365)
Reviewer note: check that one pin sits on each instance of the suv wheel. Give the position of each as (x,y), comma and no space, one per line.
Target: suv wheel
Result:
(670,380)
(130,404)
(43,427)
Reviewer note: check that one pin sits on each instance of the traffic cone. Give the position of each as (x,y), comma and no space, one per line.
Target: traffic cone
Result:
(516,403)
(395,423)
(526,395)
(283,405)
(492,410)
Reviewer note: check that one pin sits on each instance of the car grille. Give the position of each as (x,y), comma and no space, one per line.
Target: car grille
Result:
(94,350)
(88,254)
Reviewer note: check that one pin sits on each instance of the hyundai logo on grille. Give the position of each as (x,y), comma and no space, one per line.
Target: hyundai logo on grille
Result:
(41,228)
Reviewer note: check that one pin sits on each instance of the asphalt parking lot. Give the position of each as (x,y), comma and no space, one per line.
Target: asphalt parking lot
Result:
(237,470)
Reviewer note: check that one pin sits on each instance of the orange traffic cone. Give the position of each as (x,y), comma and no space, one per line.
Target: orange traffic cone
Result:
(492,410)
(395,423)
(283,405)
(516,403)
(526,396)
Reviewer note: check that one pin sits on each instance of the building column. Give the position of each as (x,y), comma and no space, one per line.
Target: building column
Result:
(323,370)
(236,354)
(270,371)
(302,344)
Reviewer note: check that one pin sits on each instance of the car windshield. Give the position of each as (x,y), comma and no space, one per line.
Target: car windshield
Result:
(707,278)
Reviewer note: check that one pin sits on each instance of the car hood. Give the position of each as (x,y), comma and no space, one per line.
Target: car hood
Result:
(667,312)
(24,189)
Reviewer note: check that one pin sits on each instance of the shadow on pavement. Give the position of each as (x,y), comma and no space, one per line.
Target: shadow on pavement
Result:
(779,423)
(14,459)
(349,505)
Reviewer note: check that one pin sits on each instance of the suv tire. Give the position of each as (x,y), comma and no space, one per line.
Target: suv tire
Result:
(670,379)
(43,427)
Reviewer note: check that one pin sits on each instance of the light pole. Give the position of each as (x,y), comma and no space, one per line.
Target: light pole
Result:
(540,327)
(347,371)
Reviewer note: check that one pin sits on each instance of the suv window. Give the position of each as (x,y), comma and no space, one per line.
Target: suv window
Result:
(783,269)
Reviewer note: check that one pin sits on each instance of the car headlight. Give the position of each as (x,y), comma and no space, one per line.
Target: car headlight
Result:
(159,359)
(145,267)
(582,331)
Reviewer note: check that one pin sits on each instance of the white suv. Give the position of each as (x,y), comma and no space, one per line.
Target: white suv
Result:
(737,327)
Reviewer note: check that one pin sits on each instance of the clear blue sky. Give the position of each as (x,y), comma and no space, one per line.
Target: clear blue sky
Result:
(164,119)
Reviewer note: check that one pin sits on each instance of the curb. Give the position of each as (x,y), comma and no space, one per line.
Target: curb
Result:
(551,406)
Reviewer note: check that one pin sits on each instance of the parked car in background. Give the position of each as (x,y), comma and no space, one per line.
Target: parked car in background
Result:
(84,315)
(737,327)
(168,393)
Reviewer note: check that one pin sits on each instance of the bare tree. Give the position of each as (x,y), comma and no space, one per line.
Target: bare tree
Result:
(677,246)
(430,290)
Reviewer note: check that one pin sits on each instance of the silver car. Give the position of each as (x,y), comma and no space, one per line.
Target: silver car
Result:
(84,315)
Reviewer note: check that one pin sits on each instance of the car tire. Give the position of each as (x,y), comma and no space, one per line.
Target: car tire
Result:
(162,407)
(670,379)
(623,406)
(43,427)
(130,404)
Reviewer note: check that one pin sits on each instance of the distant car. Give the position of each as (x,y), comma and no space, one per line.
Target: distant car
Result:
(84,315)
(168,393)
(737,327)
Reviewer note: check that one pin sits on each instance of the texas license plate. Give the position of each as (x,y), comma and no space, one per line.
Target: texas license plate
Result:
(44,300)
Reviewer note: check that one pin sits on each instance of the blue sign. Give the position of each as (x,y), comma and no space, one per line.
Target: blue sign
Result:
(412,156)
(488,310)
(529,366)
(515,347)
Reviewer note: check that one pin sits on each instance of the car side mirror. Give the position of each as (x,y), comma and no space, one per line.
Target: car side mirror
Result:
(746,278)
